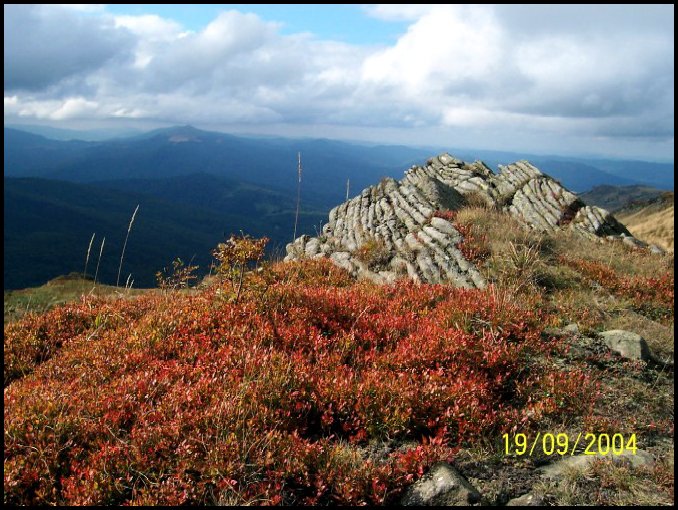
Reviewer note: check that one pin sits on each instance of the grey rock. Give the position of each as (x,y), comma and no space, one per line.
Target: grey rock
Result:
(389,277)
(312,247)
(628,344)
(443,226)
(526,500)
(558,469)
(399,216)
(446,159)
(572,328)
(443,485)
(630,241)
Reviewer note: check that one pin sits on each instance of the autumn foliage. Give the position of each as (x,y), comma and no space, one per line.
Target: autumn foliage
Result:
(653,296)
(272,398)
(474,244)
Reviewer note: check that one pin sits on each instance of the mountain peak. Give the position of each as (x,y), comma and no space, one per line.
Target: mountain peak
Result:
(177,134)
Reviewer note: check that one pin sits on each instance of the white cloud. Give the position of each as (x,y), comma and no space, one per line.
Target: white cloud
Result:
(45,44)
(76,107)
(398,12)
(89,8)
(444,70)
(507,71)
(151,32)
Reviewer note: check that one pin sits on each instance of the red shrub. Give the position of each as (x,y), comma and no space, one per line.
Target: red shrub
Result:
(445,214)
(201,400)
(653,297)
(474,245)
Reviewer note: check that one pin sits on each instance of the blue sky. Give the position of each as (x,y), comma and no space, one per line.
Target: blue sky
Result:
(340,22)
(546,79)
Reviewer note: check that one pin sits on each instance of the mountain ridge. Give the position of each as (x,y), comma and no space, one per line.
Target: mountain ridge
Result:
(267,160)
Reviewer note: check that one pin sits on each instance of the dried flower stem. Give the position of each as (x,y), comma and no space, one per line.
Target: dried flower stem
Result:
(101,250)
(296,218)
(117,282)
(84,274)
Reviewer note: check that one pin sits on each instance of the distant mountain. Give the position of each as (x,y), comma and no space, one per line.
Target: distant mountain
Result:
(74,134)
(30,155)
(272,162)
(578,176)
(196,186)
(220,195)
(614,198)
(48,225)
(660,175)
(327,165)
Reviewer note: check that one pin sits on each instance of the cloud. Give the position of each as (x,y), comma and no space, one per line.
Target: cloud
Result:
(151,33)
(475,67)
(395,12)
(506,71)
(45,44)
(88,8)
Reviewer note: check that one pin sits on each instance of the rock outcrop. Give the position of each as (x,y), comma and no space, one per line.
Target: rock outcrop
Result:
(391,229)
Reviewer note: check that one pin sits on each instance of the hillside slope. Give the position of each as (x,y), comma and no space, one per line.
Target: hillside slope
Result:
(60,290)
(652,221)
(48,224)
(615,198)
(297,383)
(182,151)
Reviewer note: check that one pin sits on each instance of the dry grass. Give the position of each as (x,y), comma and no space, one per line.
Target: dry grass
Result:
(56,292)
(517,254)
(525,262)
(651,226)
(478,199)
(608,483)
(122,255)
(374,253)
(620,257)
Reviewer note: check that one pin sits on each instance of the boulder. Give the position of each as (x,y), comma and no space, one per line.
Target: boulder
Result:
(627,344)
(557,469)
(526,500)
(443,485)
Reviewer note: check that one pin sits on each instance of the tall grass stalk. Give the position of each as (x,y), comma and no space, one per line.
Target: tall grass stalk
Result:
(117,282)
(101,250)
(296,218)
(348,183)
(89,248)
(128,285)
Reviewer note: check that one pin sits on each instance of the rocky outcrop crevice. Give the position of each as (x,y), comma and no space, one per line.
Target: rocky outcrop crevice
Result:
(391,229)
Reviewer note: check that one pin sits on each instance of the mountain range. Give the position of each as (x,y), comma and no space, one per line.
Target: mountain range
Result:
(197,187)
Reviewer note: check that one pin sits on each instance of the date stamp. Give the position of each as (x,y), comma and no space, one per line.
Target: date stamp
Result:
(562,444)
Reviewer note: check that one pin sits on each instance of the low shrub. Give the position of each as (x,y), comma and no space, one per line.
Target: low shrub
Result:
(270,399)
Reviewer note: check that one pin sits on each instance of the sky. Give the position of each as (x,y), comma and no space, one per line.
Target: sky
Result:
(589,80)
